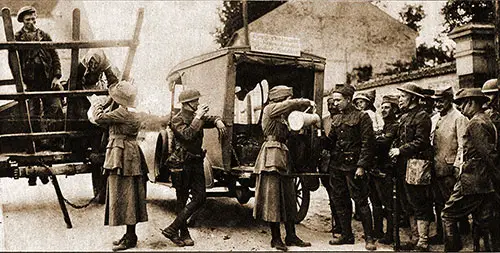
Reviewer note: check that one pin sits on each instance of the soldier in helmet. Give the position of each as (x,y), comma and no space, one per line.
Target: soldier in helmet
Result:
(188,126)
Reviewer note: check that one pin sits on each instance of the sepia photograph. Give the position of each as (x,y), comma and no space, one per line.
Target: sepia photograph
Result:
(249,125)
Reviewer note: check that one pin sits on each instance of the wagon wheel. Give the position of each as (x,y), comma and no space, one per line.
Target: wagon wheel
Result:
(303,197)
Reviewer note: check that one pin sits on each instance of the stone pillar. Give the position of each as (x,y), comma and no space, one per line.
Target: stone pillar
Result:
(474,53)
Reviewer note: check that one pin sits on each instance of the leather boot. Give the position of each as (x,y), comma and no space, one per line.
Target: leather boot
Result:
(345,223)
(452,242)
(438,238)
(276,241)
(423,233)
(291,238)
(378,223)
(336,228)
(172,234)
(185,236)
(127,242)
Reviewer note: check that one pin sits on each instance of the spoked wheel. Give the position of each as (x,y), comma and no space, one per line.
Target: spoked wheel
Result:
(302,199)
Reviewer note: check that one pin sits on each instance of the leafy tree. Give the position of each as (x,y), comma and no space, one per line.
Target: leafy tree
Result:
(230,15)
(460,12)
(426,56)
(411,15)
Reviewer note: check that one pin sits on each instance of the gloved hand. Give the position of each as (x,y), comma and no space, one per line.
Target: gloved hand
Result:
(201,111)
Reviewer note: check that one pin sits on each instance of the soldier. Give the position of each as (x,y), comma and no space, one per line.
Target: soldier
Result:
(414,154)
(188,126)
(381,180)
(325,162)
(474,192)
(41,71)
(274,191)
(352,135)
(125,165)
(447,131)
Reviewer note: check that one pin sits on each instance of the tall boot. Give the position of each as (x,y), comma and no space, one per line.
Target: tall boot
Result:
(423,233)
(378,223)
(452,242)
(345,224)
(291,238)
(185,236)
(366,220)
(336,228)
(438,238)
(276,241)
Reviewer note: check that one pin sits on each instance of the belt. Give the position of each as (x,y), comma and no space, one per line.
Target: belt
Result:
(274,138)
(123,137)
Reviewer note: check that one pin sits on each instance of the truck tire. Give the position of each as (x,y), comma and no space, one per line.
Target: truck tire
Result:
(303,197)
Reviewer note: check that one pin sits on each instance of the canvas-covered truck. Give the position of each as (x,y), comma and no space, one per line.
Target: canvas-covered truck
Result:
(234,83)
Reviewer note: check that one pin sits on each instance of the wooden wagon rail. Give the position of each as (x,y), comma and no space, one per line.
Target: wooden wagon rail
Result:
(31,163)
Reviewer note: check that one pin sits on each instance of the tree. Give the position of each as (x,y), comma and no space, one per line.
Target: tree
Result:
(460,12)
(231,17)
(411,15)
(426,56)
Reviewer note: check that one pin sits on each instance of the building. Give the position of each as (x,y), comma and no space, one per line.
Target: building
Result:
(348,34)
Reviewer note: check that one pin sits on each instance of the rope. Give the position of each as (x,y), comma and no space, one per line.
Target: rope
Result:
(75,206)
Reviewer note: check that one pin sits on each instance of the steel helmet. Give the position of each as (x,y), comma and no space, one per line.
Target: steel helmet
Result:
(490,86)
(189,95)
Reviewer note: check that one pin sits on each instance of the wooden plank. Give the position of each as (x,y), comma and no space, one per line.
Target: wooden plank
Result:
(133,47)
(39,135)
(7,82)
(73,77)
(42,94)
(15,66)
(17,45)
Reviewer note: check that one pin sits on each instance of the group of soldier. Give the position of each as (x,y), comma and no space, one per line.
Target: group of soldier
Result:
(439,161)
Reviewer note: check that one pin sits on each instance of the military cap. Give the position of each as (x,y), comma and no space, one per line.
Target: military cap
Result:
(280,92)
(443,93)
(390,99)
(412,88)
(23,11)
(346,90)
(490,86)
(472,93)
(124,93)
(189,95)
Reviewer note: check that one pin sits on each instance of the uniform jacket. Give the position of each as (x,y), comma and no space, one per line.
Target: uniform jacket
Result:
(447,141)
(273,155)
(383,144)
(413,137)
(122,152)
(31,59)
(352,140)
(188,132)
(479,156)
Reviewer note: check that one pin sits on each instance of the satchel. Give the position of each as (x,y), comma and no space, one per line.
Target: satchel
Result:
(418,172)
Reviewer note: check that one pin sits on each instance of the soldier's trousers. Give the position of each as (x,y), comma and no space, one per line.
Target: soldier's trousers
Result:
(420,200)
(325,180)
(190,180)
(381,195)
(481,206)
(346,187)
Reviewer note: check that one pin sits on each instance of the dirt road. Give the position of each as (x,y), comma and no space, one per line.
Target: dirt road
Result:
(32,221)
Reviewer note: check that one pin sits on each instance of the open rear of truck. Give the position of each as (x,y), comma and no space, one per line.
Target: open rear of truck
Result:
(234,82)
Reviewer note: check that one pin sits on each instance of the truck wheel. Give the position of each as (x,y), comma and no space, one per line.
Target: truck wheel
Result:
(303,197)
(243,194)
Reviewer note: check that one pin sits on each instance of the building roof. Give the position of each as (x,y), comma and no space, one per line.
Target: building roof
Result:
(44,7)
(446,68)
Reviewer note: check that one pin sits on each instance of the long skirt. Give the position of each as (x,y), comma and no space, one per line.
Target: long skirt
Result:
(125,200)
(275,198)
